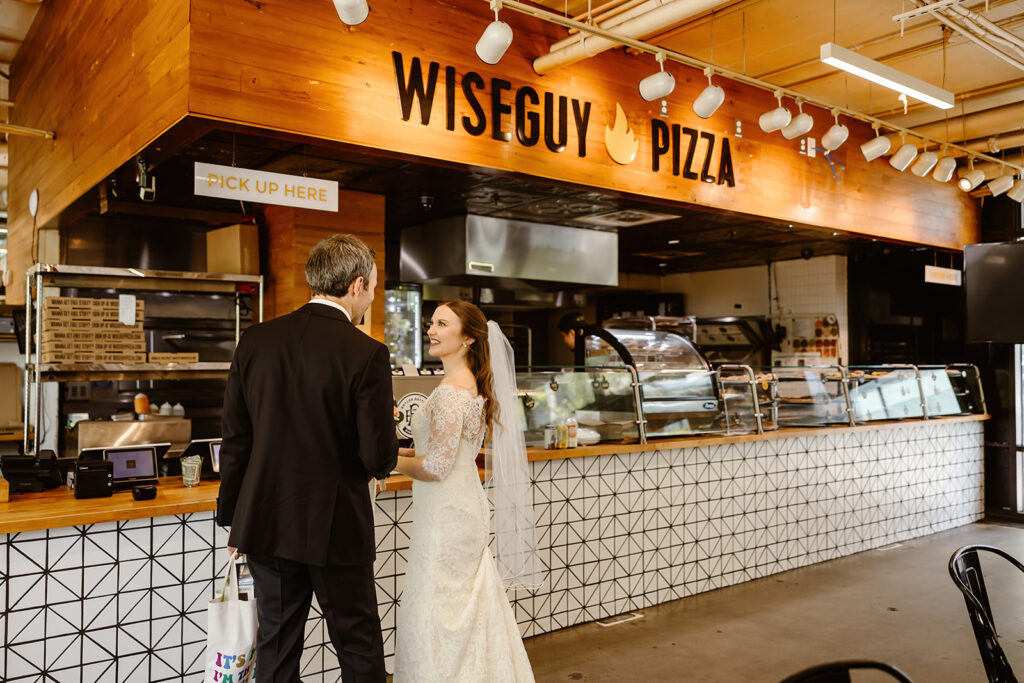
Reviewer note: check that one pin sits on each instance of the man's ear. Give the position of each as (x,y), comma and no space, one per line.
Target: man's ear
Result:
(357,286)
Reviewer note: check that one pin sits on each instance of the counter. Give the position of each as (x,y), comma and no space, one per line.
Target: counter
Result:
(115,590)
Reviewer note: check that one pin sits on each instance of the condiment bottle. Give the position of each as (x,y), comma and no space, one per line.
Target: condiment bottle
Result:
(571,426)
(178,410)
(141,404)
(165,408)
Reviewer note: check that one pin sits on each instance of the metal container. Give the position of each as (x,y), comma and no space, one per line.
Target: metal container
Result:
(550,437)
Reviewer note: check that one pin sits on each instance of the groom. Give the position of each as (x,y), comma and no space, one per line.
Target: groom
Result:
(307,420)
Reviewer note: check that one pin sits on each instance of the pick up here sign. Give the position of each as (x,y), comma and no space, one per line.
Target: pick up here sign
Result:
(261,187)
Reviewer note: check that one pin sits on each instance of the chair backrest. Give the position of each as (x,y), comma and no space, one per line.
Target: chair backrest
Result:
(965,570)
(839,672)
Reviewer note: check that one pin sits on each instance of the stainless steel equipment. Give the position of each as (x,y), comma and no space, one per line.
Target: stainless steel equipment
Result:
(154,429)
(504,253)
(403,319)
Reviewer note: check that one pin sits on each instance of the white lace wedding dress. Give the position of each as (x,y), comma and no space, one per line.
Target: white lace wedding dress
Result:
(455,624)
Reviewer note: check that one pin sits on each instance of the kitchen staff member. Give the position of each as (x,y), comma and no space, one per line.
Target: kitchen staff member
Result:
(575,331)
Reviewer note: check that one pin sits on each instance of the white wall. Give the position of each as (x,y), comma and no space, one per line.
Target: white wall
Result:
(712,293)
(786,288)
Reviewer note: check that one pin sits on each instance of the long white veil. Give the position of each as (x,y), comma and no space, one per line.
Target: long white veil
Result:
(508,474)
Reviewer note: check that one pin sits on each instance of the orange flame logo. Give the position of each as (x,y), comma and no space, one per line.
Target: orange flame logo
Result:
(622,144)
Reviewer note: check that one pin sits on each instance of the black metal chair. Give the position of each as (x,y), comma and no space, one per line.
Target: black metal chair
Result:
(965,570)
(839,672)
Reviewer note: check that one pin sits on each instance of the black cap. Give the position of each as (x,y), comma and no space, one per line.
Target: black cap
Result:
(570,322)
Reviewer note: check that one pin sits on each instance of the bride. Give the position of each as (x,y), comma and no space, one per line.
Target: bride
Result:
(455,623)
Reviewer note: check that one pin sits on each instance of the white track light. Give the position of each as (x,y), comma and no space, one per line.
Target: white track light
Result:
(352,12)
(835,136)
(970,180)
(495,39)
(659,84)
(944,169)
(998,186)
(775,119)
(924,164)
(876,147)
(800,125)
(1017,193)
(710,99)
(903,157)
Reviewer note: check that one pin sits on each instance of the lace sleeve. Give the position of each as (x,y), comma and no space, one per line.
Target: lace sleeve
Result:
(446,417)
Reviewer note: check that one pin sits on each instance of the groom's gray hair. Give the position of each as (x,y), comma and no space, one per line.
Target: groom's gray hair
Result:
(336,262)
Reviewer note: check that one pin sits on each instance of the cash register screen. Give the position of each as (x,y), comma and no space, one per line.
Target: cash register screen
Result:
(133,464)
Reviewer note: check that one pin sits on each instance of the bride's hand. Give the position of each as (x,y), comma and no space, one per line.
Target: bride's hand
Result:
(407,452)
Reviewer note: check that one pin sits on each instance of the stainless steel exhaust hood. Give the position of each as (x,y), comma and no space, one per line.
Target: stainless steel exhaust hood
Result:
(496,252)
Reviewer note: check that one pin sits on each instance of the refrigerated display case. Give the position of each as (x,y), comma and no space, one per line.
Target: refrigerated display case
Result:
(733,339)
(680,392)
(403,326)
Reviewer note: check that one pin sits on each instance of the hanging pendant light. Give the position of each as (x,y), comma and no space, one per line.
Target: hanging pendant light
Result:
(658,85)
(877,146)
(835,136)
(710,99)
(800,125)
(775,119)
(352,12)
(495,39)
(944,169)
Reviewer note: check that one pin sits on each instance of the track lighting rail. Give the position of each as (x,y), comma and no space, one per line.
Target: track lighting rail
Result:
(680,58)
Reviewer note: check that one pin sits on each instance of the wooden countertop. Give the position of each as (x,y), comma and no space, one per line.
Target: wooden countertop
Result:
(59,508)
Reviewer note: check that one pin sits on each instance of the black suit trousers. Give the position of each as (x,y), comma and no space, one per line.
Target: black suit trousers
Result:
(347,597)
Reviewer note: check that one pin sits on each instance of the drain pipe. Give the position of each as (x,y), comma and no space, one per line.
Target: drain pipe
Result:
(663,14)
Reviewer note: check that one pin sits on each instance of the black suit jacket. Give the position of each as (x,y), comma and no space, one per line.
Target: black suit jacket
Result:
(308,418)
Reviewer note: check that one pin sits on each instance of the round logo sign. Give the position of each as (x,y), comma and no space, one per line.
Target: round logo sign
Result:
(405,408)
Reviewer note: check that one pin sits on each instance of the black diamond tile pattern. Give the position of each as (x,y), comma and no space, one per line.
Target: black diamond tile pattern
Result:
(126,601)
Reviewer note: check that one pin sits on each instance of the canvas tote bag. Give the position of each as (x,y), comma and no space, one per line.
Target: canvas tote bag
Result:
(230,633)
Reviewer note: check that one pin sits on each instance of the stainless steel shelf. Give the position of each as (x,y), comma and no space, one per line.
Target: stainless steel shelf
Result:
(122,371)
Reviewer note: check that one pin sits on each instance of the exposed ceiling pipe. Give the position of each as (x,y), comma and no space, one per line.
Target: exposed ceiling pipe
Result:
(956,26)
(983,124)
(971,105)
(612,19)
(992,145)
(992,29)
(672,55)
(663,14)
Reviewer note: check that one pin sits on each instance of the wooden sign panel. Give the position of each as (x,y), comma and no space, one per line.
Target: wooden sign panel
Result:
(408,80)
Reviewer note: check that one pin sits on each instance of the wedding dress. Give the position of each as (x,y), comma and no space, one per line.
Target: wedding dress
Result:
(455,624)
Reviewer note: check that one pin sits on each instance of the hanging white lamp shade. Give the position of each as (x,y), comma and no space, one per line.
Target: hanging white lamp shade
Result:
(774,119)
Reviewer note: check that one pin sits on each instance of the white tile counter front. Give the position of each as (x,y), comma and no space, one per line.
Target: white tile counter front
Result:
(125,600)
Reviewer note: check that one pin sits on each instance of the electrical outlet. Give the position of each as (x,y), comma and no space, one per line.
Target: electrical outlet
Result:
(803,145)
(811,152)
(739,128)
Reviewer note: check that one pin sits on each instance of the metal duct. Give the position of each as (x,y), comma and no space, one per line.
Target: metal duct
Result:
(659,15)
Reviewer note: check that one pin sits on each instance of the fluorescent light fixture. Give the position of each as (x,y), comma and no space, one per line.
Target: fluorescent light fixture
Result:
(876,72)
